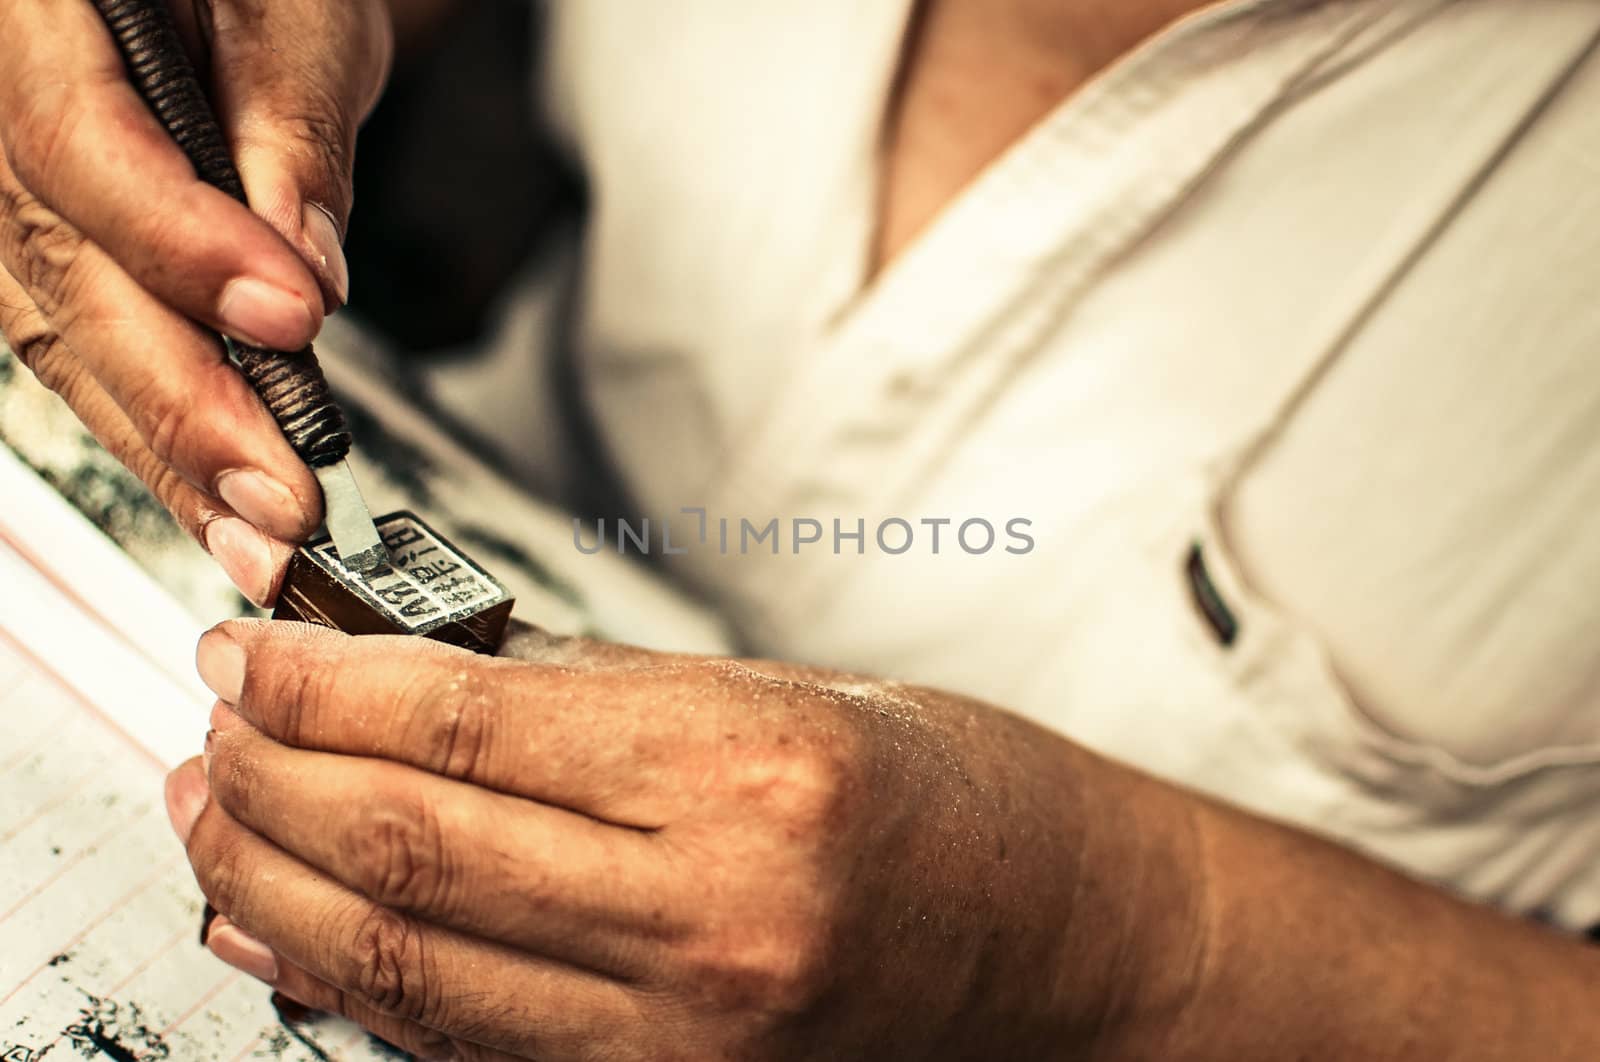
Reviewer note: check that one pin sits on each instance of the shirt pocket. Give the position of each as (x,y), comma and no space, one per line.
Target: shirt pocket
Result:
(1280,668)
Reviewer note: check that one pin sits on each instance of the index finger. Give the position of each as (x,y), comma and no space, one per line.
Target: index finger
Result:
(81,139)
(192,410)
(571,738)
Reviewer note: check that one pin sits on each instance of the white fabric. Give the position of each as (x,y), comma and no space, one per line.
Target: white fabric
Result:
(1311,284)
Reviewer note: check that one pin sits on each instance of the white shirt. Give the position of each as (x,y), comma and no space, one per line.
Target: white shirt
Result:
(1315,286)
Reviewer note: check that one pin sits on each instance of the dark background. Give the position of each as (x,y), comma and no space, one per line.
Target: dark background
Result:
(454,182)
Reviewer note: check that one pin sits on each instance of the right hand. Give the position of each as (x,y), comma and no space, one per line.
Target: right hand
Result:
(111,249)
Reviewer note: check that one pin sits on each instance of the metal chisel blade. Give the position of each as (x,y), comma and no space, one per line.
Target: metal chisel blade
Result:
(349,521)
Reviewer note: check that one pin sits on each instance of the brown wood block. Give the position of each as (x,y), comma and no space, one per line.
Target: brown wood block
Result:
(430,588)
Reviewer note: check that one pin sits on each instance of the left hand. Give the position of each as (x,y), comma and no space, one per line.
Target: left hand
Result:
(598,852)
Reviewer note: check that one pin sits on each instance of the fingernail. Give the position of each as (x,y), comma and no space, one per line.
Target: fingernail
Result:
(243,552)
(186,794)
(205,754)
(260,314)
(220,661)
(224,719)
(242,951)
(263,501)
(323,235)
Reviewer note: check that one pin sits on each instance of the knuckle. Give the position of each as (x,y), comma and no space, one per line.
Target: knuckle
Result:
(453,710)
(169,488)
(45,255)
(33,341)
(312,129)
(398,850)
(221,867)
(390,971)
(47,356)
(288,691)
(804,787)
(323,130)
(776,970)
(42,350)
(162,422)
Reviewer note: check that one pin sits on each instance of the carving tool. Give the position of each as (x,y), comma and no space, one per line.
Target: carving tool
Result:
(291,384)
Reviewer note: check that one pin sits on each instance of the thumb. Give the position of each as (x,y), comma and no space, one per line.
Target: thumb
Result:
(301,188)
(293,82)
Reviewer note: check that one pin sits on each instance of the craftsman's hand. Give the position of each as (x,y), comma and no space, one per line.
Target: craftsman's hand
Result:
(110,247)
(611,854)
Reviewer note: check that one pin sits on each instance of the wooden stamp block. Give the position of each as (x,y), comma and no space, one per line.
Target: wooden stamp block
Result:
(429,588)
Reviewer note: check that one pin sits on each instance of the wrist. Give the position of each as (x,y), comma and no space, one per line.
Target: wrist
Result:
(1141,930)
(1100,904)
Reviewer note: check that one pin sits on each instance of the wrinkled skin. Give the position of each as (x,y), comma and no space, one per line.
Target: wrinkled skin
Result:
(111,249)
(594,852)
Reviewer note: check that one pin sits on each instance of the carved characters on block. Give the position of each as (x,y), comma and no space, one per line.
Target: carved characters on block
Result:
(428,588)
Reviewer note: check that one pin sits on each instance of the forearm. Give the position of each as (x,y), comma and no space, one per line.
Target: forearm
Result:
(1179,928)
(1311,951)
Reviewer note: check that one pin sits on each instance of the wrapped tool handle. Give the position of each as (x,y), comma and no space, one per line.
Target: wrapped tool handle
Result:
(291,384)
